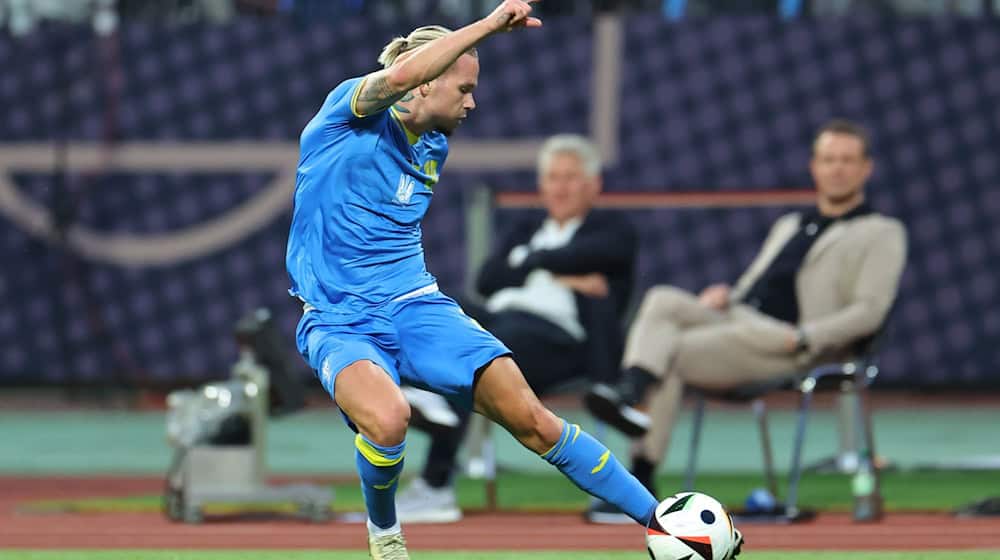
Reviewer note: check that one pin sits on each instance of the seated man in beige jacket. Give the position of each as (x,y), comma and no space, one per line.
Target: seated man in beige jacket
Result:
(824,278)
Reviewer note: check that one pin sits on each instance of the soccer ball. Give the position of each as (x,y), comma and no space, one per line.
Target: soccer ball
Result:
(691,526)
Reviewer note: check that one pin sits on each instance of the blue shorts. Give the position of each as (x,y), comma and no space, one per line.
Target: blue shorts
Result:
(425,341)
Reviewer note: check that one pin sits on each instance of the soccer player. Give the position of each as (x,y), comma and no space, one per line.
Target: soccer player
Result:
(373,314)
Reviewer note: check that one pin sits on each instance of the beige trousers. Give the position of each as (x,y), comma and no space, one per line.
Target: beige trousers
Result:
(681,341)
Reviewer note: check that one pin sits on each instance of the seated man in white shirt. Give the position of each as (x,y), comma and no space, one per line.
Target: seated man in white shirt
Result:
(556,291)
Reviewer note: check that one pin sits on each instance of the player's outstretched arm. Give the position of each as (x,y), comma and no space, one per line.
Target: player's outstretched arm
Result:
(383,88)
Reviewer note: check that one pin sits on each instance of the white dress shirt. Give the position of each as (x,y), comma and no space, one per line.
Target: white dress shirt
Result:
(541,293)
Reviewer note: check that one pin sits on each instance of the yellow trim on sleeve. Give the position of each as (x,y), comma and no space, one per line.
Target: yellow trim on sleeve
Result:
(354,98)
(372,454)
(576,434)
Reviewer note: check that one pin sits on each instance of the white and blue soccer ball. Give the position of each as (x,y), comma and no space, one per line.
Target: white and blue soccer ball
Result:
(692,526)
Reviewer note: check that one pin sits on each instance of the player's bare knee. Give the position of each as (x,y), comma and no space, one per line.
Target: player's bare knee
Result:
(389,423)
(539,429)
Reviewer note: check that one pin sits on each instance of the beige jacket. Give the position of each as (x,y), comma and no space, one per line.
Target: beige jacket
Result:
(847,282)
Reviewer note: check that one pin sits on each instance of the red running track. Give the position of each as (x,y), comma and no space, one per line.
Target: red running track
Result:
(482,531)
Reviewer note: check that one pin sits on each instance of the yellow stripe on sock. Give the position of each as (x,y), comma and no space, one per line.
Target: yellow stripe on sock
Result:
(373,455)
(577,433)
(387,484)
(601,463)
(565,440)
(563,436)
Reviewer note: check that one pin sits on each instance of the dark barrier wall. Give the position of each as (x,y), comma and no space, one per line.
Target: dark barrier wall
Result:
(704,106)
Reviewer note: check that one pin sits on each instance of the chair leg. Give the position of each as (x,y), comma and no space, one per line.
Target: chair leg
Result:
(863,414)
(489,456)
(760,412)
(847,458)
(873,509)
(692,463)
(482,461)
(795,474)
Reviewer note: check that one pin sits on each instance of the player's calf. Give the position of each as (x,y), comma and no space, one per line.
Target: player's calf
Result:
(592,467)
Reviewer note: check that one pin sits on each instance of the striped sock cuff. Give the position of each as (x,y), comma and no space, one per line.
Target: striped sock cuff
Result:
(378,455)
(569,434)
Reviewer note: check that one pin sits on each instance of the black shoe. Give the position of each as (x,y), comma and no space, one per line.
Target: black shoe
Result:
(606,513)
(644,471)
(982,508)
(607,405)
(633,385)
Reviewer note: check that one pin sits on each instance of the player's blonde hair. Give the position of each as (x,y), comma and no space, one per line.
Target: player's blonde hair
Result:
(574,144)
(416,39)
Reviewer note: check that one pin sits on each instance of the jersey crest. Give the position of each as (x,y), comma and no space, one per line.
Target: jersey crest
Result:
(404,189)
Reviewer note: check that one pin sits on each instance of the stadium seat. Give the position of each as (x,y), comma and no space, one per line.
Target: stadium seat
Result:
(852,377)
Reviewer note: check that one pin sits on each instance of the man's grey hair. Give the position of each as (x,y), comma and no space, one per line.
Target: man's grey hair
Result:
(570,144)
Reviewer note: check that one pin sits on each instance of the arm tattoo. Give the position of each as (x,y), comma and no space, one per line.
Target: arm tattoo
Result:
(376,91)
(404,99)
(376,95)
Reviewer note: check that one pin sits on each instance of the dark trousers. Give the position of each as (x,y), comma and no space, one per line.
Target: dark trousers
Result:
(547,355)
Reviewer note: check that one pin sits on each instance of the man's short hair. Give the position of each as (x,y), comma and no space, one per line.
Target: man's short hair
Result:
(850,128)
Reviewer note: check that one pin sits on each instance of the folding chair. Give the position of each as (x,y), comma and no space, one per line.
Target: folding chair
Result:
(852,376)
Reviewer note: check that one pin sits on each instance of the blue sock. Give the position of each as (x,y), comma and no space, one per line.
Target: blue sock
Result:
(592,467)
(379,468)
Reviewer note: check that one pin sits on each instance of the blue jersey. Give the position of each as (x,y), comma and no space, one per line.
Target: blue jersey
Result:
(362,187)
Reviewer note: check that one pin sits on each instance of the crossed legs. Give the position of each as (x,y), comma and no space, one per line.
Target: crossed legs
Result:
(676,340)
